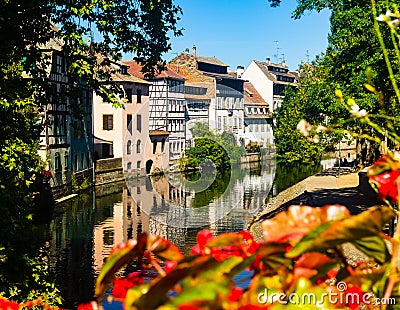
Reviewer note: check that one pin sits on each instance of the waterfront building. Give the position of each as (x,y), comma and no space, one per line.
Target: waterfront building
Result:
(257,118)
(124,132)
(166,111)
(66,141)
(270,80)
(218,90)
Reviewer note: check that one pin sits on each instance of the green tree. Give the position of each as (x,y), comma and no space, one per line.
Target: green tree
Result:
(221,149)
(291,145)
(352,59)
(85,29)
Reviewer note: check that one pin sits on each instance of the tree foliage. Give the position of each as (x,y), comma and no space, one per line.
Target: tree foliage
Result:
(291,145)
(220,150)
(85,30)
(352,59)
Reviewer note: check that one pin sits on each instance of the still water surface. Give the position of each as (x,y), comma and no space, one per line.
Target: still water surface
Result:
(83,231)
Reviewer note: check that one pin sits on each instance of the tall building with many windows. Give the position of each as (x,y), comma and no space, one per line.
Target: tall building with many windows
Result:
(124,132)
(270,80)
(66,141)
(166,111)
(223,95)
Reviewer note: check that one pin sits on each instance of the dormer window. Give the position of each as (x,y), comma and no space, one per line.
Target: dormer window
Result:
(123,70)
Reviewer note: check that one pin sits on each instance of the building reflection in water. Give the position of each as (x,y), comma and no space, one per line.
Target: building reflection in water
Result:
(84,231)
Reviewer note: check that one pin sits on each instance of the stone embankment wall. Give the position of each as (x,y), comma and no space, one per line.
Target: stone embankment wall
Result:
(108,170)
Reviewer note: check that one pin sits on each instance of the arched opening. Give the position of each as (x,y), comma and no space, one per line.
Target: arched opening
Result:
(149,165)
(129,147)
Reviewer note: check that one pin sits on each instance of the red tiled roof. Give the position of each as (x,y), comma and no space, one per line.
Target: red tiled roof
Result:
(136,70)
(251,95)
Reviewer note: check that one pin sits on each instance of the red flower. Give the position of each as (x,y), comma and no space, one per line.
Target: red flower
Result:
(89,306)
(8,305)
(384,175)
(386,185)
(202,238)
(121,286)
(235,294)
(188,307)
(354,296)
(169,266)
(46,173)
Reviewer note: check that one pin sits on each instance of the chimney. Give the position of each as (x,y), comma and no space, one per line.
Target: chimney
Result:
(187,50)
(194,51)
(239,71)
(268,61)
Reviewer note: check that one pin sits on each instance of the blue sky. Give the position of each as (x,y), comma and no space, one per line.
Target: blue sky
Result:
(238,31)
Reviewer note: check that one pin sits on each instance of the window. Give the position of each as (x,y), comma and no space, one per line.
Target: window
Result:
(154,147)
(225,122)
(138,146)
(129,166)
(129,147)
(55,125)
(162,145)
(255,110)
(128,93)
(138,95)
(107,122)
(82,161)
(129,123)
(138,164)
(57,162)
(248,110)
(139,122)
(76,162)
(66,160)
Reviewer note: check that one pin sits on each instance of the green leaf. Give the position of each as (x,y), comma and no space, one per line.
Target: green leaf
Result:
(163,248)
(328,235)
(206,292)
(224,240)
(159,287)
(118,258)
(273,255)
(375,247)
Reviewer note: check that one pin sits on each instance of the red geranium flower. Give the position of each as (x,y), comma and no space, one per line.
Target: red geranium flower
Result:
(354,297)
(6,304)
(235,294)
(121,286)
(202,238)
(384,176)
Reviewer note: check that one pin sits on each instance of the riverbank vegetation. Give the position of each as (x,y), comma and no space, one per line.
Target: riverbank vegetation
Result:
(211,149)
(353,58)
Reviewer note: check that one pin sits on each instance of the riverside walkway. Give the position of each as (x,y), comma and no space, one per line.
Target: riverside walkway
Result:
(324,188)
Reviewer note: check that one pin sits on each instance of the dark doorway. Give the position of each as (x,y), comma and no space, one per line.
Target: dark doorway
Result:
(149,164)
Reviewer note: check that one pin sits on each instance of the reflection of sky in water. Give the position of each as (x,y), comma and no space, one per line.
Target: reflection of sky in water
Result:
(83,231)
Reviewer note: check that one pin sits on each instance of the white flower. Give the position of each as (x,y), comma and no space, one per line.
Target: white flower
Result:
(354,109)
(304,127)
(381,18)
(321,129)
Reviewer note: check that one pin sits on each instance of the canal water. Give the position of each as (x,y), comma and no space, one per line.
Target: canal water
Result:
(83,231)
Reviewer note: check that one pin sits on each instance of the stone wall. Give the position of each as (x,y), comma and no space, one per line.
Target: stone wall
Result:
(108,170)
